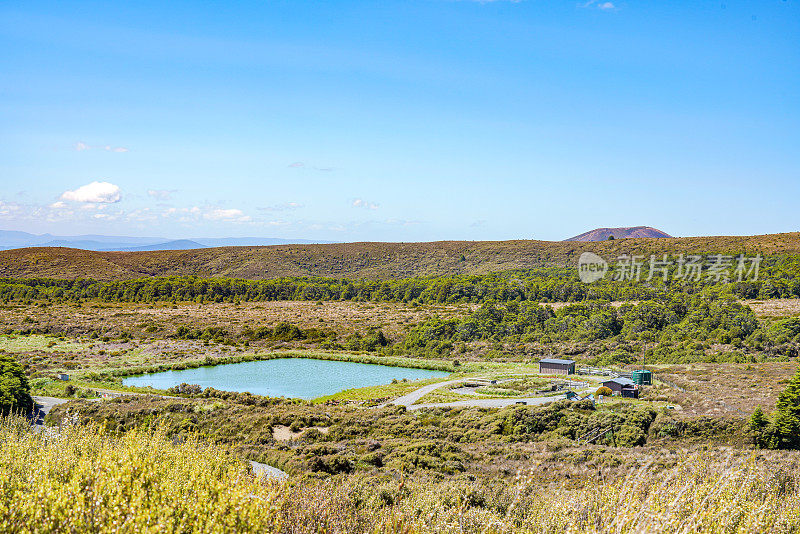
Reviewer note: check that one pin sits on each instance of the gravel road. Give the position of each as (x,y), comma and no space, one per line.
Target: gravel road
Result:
(489,403)
(42,407)
(268,471)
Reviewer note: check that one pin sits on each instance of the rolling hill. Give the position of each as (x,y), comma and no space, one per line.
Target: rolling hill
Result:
(625,232)
(362,260)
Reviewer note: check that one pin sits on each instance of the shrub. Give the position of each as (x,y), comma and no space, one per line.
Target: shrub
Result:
(784,430)
(630,436)
(15,391)
(604,391)
(185,389)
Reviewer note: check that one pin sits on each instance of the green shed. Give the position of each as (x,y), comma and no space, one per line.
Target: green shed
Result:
(642,377)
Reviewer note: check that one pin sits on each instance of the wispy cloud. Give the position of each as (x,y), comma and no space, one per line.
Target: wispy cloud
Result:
(80,147)
(161,194)
(94,193)
(604,6)
(361,203)
(286,206)
(227,215)
(300,164)
(9,210)
(197,214)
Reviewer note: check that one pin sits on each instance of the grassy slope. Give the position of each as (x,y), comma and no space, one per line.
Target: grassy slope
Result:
(367,260)
(78,479)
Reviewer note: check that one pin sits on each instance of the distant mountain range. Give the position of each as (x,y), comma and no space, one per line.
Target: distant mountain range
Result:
(603,234)
(103,243)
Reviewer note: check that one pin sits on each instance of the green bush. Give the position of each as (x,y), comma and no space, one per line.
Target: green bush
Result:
(15,391)
(783,432)
(604,391)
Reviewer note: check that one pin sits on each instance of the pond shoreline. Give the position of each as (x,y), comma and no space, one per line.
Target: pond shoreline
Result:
(291,377)
(213,361)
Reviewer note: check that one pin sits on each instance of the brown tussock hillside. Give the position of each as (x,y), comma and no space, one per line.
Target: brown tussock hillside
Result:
(364,260)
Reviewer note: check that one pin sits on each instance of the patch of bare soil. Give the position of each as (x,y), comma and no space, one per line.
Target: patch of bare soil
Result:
(284,433)
(774,307)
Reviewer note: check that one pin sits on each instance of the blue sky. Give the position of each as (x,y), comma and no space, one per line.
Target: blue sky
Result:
(399,121)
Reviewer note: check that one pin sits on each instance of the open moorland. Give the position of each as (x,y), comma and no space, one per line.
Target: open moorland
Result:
(500,437)
(365,260)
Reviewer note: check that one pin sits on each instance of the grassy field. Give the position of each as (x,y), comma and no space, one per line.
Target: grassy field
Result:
(155,322)
(12,343)
(377,394)
(78,479)
(722,389)
(363,260)
(681,453)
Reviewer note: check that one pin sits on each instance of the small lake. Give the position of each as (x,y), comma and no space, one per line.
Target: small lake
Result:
(303,378)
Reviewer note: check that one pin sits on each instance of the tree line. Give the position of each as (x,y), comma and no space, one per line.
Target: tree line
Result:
(678,327)
(779,278)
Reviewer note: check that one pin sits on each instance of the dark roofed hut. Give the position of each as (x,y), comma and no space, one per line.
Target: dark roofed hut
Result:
(624,387)
(554,366)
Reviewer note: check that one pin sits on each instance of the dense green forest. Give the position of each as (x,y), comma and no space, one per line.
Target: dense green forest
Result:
(678,327)
(778,277)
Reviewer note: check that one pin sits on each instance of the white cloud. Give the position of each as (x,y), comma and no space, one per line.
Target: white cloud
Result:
(80,147)
(605,6)
(229,215)
(58,205)
(286,206)
(9,209)
(95,193)
(361,203)
(297,164)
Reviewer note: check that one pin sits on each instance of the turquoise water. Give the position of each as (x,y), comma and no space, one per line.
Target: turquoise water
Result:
(303,378)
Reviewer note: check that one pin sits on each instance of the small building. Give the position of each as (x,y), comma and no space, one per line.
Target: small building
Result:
(642,377)
(554,366)
(622,386)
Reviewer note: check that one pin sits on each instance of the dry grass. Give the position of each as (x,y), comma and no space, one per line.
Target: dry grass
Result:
(75,479)
(774,308)
(722,389)
(362,260)
(162,320)
(152,326)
